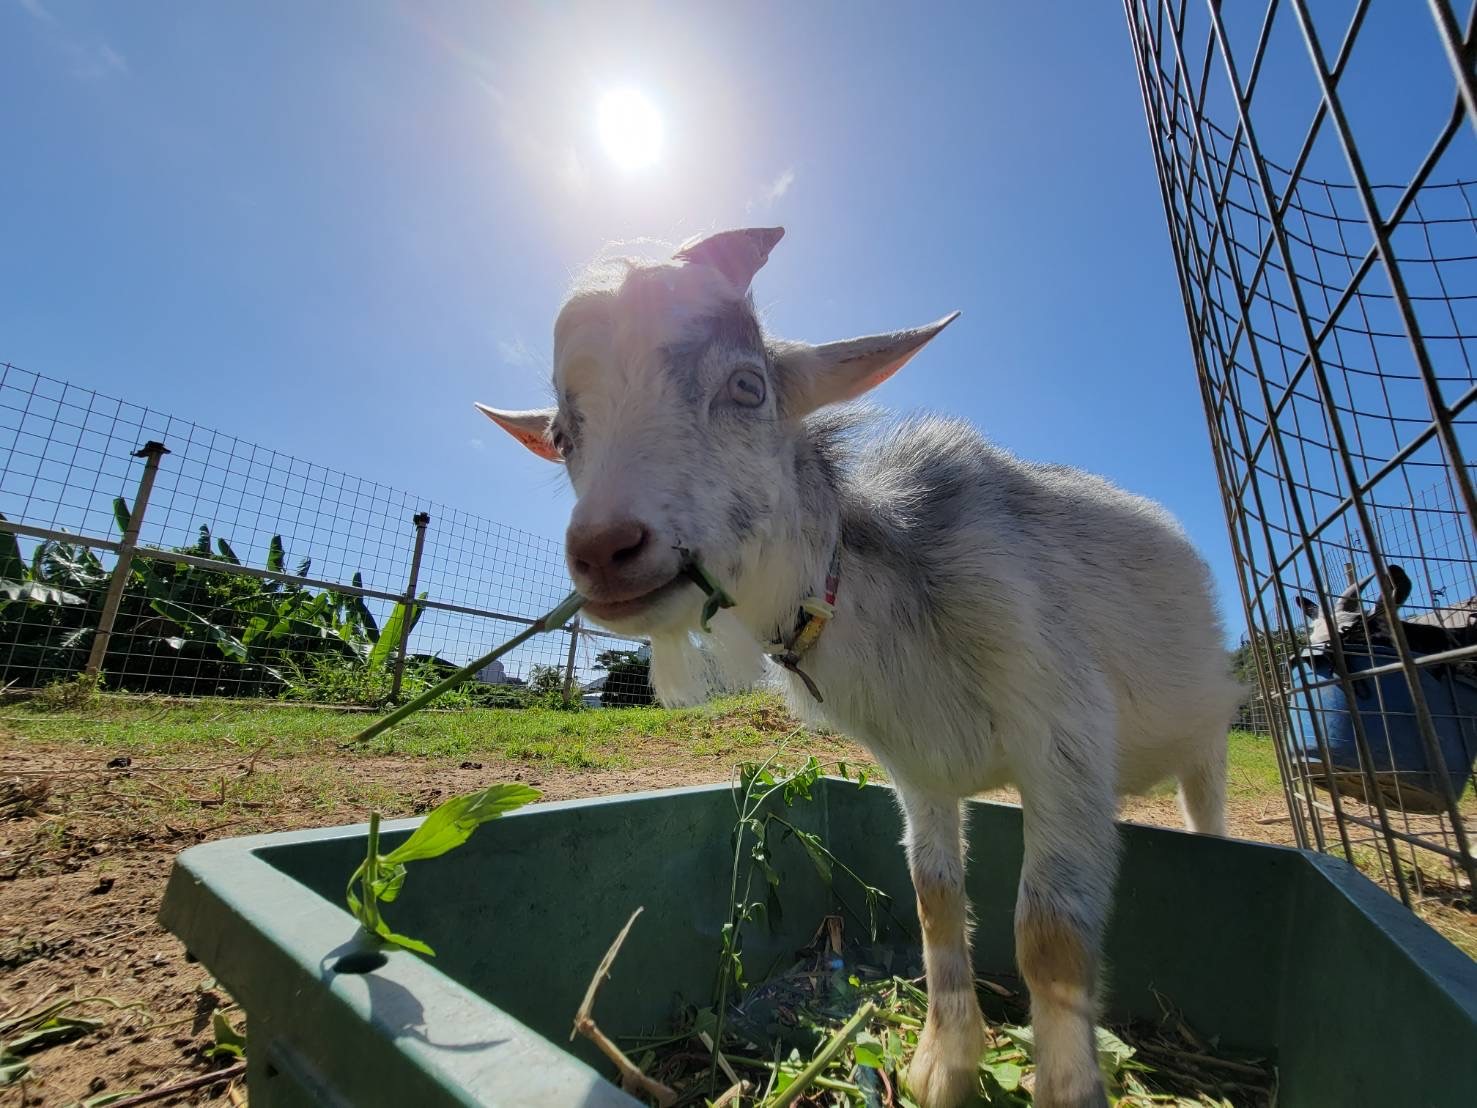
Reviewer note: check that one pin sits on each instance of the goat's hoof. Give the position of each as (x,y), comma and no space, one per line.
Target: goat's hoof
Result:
(944,1072)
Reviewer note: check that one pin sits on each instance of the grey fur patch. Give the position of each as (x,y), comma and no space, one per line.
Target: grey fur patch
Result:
(938,462)
(733,327)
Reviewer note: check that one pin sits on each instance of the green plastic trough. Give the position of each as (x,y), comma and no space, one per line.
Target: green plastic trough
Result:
(1273,951)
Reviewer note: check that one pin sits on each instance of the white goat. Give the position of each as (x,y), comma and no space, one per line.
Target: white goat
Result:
(995,621)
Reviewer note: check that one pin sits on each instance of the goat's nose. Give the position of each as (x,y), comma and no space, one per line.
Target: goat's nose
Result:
(602,547)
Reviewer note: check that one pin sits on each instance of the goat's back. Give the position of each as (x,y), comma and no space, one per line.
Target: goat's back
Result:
(1055,579)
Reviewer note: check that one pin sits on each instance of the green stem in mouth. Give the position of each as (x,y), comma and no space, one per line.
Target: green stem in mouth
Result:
(717,595)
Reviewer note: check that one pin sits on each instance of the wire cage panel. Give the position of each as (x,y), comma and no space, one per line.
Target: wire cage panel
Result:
(1318,171)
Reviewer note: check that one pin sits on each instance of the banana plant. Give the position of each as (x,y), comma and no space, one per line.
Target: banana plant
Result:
(30,583)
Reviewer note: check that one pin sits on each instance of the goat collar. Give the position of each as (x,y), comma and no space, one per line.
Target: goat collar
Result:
(810,620)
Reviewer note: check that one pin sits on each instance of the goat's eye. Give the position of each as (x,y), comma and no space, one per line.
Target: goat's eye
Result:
(746,388)
(562,443)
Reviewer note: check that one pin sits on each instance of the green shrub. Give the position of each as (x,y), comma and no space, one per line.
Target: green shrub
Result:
(76,692)
(368,683)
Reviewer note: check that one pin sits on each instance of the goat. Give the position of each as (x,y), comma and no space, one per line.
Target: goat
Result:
(985,620)
(1429,633)
(1347,614)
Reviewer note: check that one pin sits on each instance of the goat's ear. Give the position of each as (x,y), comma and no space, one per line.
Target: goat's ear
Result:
(738,255)
(1400,585)
(1309,608)
(811,377)
(531,428)
(1349,598)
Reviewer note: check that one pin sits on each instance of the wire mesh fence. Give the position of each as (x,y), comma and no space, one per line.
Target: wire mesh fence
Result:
(238,570)
(1333,319)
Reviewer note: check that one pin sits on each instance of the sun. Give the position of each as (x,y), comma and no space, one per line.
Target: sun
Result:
(630,129)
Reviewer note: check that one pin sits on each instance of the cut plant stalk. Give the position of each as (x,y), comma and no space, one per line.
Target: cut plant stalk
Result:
(552,620)
(632,1079)
(828,1053)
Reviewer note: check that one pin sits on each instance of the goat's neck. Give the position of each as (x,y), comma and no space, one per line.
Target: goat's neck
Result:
(790,562)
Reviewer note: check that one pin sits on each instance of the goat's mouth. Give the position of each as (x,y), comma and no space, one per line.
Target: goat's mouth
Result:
(627,608)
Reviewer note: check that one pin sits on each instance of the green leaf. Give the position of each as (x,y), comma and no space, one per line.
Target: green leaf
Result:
(226,552)
(228,1041)
(12,1069)
(276,555)
(1112,1051)
(869,1051)
(102,1100)
(257,625)
(202,547)
(405,941)
(199,628)
(892,1050)
(1006,1074)
(392,632)
(35,592)
(12,566)
(773,912)
(1022,1037)
(361,611)
(356,906)
(820,857)
(392,879)
(450,824)
(303,567)
(58,1029)
(75,566)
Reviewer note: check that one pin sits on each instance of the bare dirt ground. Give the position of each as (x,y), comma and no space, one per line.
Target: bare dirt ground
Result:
(88,833)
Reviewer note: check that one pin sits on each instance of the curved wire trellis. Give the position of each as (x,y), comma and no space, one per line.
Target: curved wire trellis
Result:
(1333,321)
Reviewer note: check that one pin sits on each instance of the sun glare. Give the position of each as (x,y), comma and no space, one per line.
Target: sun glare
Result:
(630,129)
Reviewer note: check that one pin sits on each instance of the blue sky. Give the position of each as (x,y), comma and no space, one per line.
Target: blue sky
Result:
(329,228)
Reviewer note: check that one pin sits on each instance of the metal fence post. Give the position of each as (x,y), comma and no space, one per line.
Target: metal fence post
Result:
(574,638)
(151,452)
(421,521)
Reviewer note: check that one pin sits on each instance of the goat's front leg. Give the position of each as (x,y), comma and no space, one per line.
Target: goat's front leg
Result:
(944,1071)
(1071,852)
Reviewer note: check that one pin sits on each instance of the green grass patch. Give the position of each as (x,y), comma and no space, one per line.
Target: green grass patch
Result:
(1251,767)
(593,739)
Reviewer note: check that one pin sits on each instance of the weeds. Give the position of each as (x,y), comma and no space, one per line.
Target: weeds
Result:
(840,1024)
(39,1028)
(73,694)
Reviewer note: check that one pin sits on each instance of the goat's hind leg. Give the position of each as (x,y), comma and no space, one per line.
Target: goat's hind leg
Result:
(1071,848)
(1202,791)
(945,1068)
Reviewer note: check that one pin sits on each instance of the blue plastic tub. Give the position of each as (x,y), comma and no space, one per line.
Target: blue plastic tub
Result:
(1403,772)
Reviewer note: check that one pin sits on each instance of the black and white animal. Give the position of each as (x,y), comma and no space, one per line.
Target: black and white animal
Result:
(1428,633)
(994,620)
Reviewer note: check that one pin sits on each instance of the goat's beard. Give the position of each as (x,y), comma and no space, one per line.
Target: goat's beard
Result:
(689,667)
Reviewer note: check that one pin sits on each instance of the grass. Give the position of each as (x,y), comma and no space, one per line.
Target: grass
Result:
(1251,767)
(576,740)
